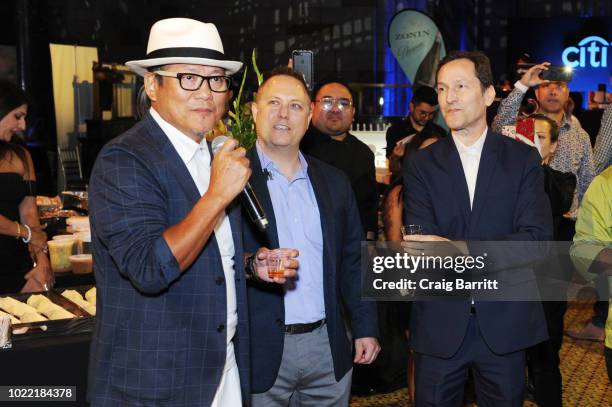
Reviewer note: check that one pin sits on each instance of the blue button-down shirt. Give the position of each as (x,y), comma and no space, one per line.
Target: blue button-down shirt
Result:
(298,224)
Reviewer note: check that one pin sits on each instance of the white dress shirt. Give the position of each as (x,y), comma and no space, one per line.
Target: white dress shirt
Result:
(470,160)
(197,159)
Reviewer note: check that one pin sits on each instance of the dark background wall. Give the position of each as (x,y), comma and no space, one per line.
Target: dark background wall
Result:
(348,36)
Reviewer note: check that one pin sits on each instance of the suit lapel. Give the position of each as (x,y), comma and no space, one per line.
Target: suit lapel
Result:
(259,184)
(319,186)
(451,163)
(486,172)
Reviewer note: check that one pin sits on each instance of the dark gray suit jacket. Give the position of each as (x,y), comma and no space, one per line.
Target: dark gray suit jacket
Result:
(509,205)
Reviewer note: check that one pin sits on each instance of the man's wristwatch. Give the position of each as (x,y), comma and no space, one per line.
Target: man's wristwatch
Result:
(249,267)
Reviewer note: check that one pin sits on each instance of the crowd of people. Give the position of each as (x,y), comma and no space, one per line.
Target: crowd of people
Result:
(188,312)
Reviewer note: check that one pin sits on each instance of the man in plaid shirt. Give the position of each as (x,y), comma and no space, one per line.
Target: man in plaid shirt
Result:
(574,153)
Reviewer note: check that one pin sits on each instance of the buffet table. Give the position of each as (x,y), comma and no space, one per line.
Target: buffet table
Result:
(58,356)
(51,332)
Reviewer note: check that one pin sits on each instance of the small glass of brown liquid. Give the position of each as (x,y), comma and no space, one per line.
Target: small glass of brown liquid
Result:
(275,263)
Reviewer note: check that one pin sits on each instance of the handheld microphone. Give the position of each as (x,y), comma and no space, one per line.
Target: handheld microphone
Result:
(247,196)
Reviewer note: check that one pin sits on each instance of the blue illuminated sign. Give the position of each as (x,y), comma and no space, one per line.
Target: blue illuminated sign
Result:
(597,50)
(581,43)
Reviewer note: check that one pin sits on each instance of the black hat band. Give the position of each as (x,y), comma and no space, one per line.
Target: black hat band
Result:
(186,52)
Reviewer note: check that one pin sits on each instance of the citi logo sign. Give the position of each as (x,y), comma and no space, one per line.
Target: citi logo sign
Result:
(596,48)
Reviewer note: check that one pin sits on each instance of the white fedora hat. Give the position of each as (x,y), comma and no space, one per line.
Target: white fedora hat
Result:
(184,41)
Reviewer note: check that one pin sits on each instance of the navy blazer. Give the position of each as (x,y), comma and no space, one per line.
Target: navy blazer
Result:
(342,234)
(160,336)
(509,205)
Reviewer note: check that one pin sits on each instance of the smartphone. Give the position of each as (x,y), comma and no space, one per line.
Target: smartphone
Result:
(523,67)
(557,73)
(303,63)
(554,73)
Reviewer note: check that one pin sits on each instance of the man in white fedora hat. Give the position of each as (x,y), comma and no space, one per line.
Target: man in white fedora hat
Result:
(171,323)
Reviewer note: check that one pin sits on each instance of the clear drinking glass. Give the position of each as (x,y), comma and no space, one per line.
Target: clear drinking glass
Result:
(275,265)
(408,230)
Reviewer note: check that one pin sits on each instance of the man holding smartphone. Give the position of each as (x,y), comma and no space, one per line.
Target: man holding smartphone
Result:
(574,153)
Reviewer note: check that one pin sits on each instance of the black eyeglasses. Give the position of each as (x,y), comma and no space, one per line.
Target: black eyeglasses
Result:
(328,103)
(193,82)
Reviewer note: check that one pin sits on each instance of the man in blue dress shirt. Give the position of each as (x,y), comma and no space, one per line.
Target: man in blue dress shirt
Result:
(300,350)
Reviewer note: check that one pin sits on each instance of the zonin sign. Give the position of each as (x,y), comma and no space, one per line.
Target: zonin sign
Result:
(595,47)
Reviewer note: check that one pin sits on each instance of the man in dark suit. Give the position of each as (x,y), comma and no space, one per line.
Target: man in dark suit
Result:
(300,353)
(475,186)
(171,325)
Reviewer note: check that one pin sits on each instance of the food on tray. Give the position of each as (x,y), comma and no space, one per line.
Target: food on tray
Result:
(90,295)
(19,309)
(59,314)
(48,201)
(78,223)
(64,213)
(77,298)
(31,317)
(48,308)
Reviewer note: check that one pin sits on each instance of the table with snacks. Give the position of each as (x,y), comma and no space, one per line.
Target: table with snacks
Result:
(45,336)
(68,233)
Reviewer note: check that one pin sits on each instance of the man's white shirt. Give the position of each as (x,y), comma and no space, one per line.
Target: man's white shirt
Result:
(196,157)
(470,161)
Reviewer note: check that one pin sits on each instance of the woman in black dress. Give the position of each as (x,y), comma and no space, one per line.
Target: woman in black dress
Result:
(24,265)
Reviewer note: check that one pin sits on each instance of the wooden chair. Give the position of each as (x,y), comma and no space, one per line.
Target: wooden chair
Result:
(70,166)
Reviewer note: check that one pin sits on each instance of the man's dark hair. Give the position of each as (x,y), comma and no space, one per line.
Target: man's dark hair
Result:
(329,80)
(554,127)
(282,70)
(481,63)
(425,94)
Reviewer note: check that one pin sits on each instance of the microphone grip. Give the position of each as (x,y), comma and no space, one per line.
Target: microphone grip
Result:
(253,207)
